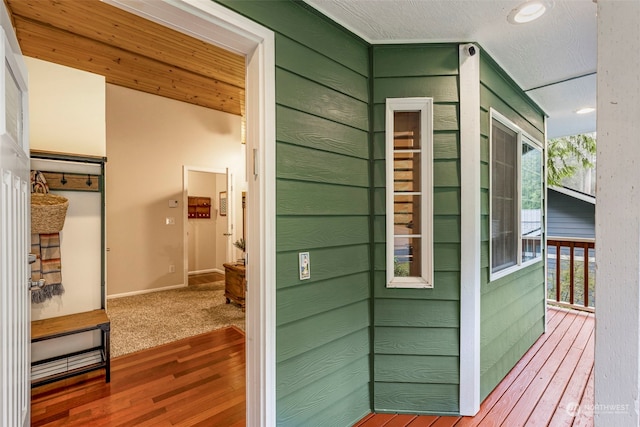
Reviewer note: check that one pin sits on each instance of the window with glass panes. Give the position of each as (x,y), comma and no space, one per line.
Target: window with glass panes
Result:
(516,208)
(409,192)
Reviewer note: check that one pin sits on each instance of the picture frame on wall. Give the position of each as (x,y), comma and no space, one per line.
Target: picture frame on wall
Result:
(223,203)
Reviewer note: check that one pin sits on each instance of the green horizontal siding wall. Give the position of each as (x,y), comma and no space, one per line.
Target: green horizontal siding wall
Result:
(512,307)
(416,331)
(323,330)
(334,359)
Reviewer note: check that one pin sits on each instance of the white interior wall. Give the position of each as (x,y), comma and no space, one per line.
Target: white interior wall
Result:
(67,114)
(150,139)
(66,109)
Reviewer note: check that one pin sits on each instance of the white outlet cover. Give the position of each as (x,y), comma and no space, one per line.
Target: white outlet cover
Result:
(304,264)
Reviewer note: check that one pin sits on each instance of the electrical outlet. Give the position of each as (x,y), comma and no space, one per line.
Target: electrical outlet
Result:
(304,264)
(172,268)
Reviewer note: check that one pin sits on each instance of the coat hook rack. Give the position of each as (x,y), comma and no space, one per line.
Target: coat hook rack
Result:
(71,181)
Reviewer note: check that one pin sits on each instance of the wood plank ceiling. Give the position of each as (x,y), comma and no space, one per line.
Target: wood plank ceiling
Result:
(130,51)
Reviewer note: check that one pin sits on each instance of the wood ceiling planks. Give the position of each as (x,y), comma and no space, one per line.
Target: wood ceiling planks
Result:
(130,51)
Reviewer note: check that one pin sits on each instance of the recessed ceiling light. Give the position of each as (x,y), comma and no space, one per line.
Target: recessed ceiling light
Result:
(585,110)
(528,11)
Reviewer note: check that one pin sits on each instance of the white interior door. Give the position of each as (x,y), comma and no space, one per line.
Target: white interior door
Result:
(15,308)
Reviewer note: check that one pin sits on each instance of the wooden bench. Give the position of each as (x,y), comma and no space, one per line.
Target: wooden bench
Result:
(71,324)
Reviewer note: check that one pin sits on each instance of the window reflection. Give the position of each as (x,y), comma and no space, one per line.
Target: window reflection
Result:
(531,212)
(406,196)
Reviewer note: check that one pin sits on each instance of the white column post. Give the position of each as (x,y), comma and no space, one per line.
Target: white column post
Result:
(469,60)
(617,352)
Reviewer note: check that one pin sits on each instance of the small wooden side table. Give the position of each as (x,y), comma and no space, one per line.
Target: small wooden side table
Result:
(235,283)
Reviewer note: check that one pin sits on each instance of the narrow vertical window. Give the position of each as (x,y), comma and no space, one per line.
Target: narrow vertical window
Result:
(409,192)
(516,210)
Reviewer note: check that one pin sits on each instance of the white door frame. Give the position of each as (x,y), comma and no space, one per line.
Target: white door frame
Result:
(185,211)
(215,24)
(15,298)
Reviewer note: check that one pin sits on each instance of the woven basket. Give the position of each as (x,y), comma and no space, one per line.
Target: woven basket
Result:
(48,212)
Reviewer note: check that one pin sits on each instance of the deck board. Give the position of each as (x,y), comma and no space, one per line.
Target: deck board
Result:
(550,384)
(514,393)
(400,420)
(576,388)
(424,421)
(446,422)
(530,399)
(555,318)
(559,382)
(584,416)
(378,420)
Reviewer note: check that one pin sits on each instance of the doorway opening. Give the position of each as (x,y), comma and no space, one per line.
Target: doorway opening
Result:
(220,26)
(209,223)
(215,24)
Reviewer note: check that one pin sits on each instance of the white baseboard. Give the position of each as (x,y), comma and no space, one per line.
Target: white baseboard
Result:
(145,291)
(208,270)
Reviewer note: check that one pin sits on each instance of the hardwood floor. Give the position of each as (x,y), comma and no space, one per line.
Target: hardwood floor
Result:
(200,381)
(199,279)
(197,381)
(552,385)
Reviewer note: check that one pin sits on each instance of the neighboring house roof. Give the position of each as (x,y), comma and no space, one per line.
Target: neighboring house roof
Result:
(570,213)
(575,193)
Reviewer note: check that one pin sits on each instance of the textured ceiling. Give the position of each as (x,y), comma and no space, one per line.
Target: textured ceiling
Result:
(553,58)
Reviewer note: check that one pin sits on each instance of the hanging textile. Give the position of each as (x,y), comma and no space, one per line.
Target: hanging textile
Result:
(46,247)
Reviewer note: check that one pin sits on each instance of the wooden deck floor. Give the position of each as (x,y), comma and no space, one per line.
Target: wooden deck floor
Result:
(552,385)
(200,381)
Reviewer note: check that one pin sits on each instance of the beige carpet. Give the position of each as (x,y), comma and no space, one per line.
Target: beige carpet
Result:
(143,321)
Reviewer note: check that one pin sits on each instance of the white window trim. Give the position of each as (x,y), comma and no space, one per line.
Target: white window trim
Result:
(425,106)
(522,138)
